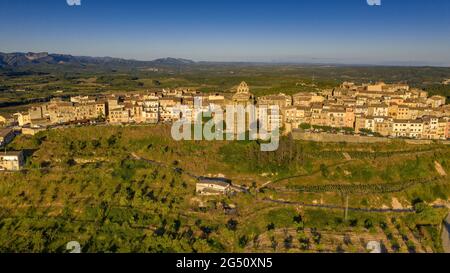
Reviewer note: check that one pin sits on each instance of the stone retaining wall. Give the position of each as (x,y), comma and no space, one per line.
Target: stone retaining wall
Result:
(328,137)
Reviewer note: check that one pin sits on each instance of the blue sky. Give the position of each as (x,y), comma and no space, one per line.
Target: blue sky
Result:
(326,31)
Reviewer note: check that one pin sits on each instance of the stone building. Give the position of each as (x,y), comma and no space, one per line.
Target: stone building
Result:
(281,100)
(213,186)
(11,161)
(243,95)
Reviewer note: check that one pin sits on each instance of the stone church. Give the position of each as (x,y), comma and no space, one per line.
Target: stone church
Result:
(243,95)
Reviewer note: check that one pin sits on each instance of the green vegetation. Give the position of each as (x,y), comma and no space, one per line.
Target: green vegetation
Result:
(84,184)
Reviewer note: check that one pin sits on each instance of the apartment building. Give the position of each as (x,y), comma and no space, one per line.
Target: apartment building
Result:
(408,128)
(170,109)
(381,110)
(297,115)
(119,115)
(150,110)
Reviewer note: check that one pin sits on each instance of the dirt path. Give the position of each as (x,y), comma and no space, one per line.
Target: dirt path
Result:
(439,169)
(347,156)
(336,207)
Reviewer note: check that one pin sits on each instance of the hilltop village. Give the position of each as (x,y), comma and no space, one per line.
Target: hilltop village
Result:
(389,110)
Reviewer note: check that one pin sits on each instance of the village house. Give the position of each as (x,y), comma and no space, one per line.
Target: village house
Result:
(170,109)
(447,129)
(281,100)
(378,110)
(383,126)
(336,118)
(32,130)
(297,115)
(22,119)
(307,99)
(403,113)
(436,101)
(360,123)
(119,115)
(393,110)
(216,99)
(269,117)
(11,161)
(150,111)
(213,186)
(434,127)
(408,128)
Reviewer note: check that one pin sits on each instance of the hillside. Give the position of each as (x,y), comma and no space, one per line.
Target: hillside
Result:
(30,59)
(84,184)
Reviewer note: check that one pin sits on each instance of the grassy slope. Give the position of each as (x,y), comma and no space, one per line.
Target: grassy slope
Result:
(81,184)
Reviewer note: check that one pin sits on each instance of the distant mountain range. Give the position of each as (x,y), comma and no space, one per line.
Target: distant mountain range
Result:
(45,61)
(16,60)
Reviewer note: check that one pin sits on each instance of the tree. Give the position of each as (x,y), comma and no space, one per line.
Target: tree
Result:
(96,143)
(270,226)
(317,237)
(349,130)
(419,205)
(305,126)
(232,225)
(300,225)
(368,224)
(304,241)
(288,242)
(243,241)
(324,170)
(71,162)
(112,141)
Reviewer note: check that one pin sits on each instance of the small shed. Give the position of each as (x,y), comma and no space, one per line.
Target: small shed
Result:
(212,186)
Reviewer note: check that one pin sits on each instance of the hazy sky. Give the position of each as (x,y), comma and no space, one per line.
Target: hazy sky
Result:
(327,31)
